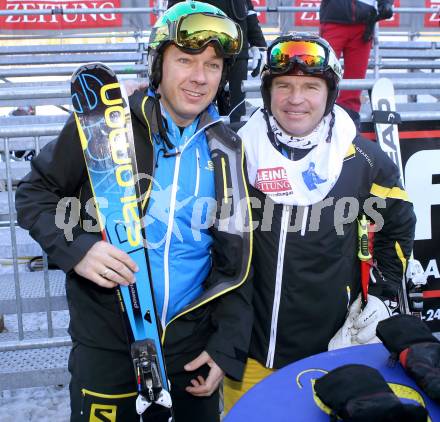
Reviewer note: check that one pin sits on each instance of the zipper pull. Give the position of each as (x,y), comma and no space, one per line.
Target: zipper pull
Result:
(198,157)
(348,297)
(83,393)
(196,188)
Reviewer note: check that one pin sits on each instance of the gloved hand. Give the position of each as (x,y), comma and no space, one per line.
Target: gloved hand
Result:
(258,60)
(409,339)
(370,25)
(385,9)
(360,325)
(415,273)
(358,393)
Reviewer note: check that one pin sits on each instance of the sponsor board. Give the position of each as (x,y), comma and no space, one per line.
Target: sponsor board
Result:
(420,150)
(59,20)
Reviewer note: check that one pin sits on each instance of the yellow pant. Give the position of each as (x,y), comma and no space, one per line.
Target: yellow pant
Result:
(254,372)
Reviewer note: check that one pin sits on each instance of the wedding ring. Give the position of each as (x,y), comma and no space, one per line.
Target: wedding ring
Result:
(105,272)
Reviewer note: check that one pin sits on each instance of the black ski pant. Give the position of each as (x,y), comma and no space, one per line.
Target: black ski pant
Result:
(103,388)
(237,74)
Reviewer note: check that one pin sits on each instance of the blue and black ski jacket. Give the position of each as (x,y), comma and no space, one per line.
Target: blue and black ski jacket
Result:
(305,258)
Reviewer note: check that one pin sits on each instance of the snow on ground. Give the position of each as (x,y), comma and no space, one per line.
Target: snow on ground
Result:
(37,321)
(42,404)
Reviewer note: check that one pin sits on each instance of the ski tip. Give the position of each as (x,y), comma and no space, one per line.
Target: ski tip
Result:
(87,67)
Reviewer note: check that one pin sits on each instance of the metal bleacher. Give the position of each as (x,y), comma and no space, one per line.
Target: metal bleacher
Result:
(38,75)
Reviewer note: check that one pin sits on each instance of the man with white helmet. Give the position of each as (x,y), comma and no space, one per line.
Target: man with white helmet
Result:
(196,216)
(311,177)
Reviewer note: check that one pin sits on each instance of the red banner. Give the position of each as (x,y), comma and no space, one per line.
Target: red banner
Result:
(153,17)
(261,15)
(307,18)
(59,21)
(432,19)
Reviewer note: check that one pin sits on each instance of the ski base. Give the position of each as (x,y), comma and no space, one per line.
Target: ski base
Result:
(386,121)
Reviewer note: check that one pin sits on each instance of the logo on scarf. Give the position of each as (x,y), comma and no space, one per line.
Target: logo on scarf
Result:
(273,181)
(311,178)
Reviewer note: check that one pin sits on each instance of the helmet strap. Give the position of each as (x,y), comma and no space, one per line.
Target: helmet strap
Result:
(160,122)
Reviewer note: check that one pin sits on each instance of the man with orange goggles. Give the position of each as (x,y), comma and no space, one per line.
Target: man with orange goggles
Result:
(311,177)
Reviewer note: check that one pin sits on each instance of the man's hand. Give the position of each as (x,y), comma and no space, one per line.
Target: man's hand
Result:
(366,322)
(200,386)
(418,350)
(360,325)
(343,338)
(107,266)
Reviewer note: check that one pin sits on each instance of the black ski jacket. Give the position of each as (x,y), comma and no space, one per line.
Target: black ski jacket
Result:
(220,320)
(306,269)
(242,12)
(354,11)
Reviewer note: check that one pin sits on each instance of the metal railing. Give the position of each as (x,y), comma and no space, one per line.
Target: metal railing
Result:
(62,90)
(13,172)
(157,10)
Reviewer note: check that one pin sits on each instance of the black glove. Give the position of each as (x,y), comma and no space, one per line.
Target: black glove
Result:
(358,393)
(223,102)
(385,9)
(408,338)
(369,26)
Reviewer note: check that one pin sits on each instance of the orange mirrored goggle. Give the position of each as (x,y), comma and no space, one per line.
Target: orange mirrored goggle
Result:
(311,56)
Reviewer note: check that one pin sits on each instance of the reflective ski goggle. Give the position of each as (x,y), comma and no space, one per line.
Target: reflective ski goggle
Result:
(311,56)
(193,32)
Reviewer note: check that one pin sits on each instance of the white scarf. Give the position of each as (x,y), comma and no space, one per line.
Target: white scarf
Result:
(304,142)
(302,182)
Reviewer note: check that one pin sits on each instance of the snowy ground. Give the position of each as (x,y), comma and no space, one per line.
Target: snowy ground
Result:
(37,321)
(43,404)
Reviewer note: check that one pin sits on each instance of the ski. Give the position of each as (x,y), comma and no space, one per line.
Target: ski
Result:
(103,120)
(386,121)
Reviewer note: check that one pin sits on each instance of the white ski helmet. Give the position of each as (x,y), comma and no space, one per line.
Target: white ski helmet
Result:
(191,26)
